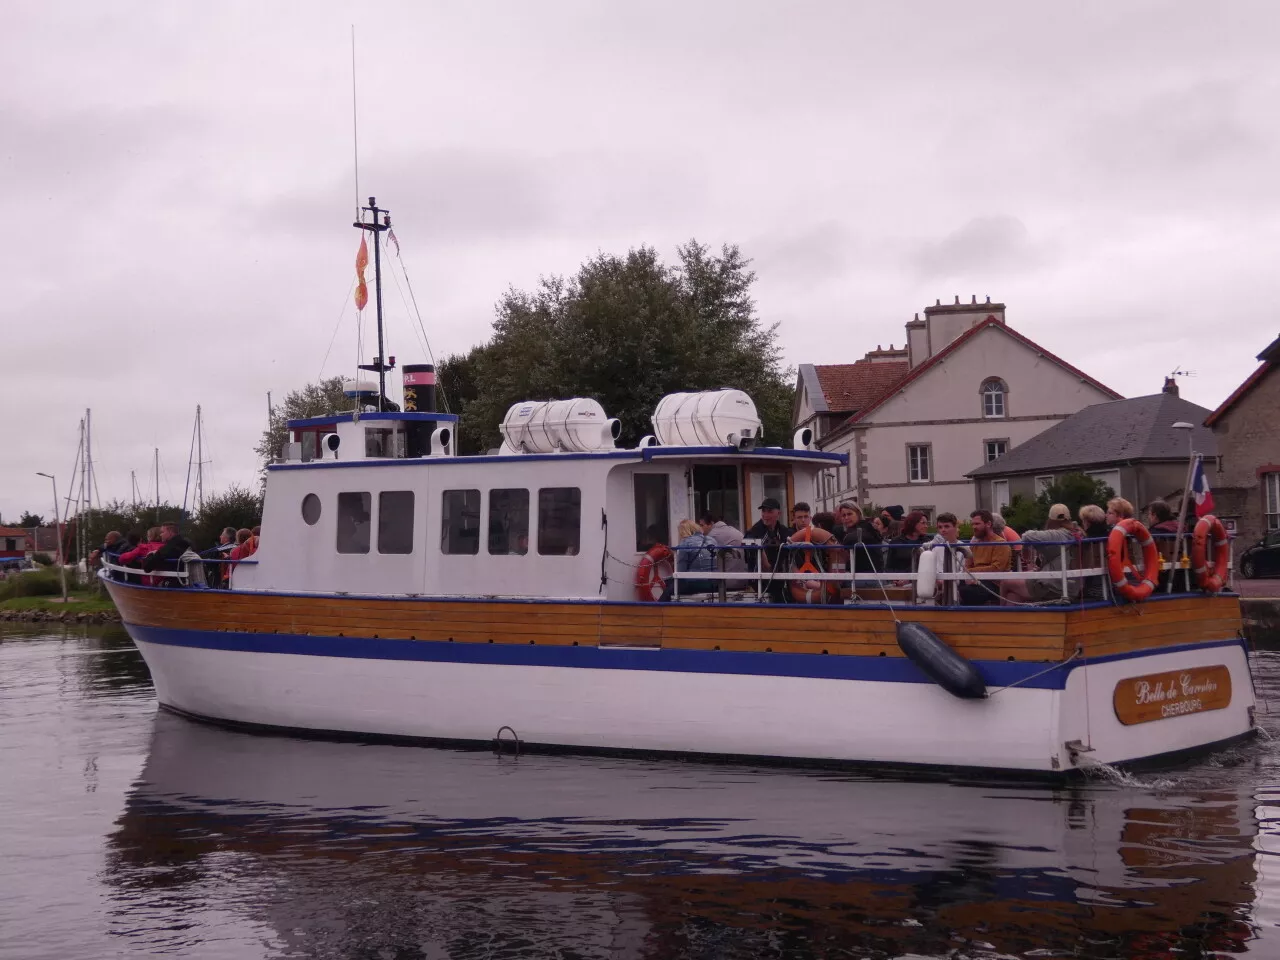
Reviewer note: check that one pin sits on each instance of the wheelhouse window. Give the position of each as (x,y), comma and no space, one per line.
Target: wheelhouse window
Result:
(994,393)
(460,522)
(509,521)
(653,514)
(1271,499)
(395,521)
(995,449)
(918,465)
(559,521)
(353,522)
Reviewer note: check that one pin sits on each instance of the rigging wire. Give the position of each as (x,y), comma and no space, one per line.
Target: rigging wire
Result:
(417,313)
(336,327)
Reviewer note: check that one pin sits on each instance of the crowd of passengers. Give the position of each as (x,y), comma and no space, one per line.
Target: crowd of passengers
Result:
(891,543)
(163,549)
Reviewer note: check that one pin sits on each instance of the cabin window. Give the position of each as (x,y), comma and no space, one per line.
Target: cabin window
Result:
(559,520)
(353,522)
(310,509)
(460,522)
(395,521)
(653,513)
(383,442)
(509,522)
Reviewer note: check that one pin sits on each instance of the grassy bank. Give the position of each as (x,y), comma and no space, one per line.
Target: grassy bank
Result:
(38,594)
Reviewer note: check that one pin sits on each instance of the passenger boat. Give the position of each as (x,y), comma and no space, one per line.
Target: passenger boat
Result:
(401,590)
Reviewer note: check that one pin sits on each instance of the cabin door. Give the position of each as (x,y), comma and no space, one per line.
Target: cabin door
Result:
(716,488)
(773,483)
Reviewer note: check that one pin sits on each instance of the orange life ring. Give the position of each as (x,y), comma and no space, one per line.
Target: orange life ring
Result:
(1118,560)
(651,582)
(812,591)
(1210,581)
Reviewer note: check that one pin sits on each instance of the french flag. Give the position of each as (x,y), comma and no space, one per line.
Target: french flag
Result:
(1200,491)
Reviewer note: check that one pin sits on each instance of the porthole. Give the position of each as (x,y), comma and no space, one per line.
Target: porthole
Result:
(311,509)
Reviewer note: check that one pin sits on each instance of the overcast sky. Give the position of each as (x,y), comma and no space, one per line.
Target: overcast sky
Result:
(178,188)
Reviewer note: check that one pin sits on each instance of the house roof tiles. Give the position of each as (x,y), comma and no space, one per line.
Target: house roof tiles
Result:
(1119,431)
(848,387)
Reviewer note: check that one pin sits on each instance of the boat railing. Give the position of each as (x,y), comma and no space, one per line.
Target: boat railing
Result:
(1094,580)
(185,575)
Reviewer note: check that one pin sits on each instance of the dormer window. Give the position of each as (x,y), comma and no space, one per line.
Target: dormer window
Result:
(994,392)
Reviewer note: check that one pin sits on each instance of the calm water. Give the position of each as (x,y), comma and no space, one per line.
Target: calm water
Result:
(126,832)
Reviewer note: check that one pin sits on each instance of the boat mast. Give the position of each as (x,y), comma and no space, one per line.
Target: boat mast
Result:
(199,462)
(378,365)
(157,455)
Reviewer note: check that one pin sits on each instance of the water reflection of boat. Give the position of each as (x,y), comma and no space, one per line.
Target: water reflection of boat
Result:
(611,858)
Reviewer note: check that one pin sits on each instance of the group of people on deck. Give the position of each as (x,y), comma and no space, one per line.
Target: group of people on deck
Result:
(163,549)
(891,542)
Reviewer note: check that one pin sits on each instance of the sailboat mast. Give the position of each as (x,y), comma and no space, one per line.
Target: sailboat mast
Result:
(380,364)
(199,462)
(157,455)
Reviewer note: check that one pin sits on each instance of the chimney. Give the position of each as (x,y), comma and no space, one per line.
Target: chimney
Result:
(1170,386)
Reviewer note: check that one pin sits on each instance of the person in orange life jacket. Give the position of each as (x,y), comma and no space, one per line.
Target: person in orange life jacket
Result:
(985,558)
(769,532)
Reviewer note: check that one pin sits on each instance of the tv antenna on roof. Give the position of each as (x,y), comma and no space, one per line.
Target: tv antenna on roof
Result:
(1182,373)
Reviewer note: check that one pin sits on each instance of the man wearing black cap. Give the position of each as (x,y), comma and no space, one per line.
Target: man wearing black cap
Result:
(769,531)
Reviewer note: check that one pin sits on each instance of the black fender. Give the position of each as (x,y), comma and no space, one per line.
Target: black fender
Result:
(940,663)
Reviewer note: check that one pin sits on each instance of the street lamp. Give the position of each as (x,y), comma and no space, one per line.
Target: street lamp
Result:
(1179,543)
(57,522)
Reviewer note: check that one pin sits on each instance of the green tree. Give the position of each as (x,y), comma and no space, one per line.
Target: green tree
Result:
(236,507)
(313,400)
(1073,490)
(625,330)
(30,519)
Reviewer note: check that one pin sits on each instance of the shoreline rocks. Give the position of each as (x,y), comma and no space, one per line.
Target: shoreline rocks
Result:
(59,616)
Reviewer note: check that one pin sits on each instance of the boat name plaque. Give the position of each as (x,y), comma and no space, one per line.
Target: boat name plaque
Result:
(1159,696)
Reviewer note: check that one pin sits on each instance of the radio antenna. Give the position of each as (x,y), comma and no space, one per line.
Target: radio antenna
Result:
(355,126)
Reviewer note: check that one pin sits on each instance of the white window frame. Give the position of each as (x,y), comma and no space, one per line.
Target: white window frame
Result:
(1044,482)
(1105,476)
(1271,500)
(996,505)
(992,388)
(915,461)
(986,449)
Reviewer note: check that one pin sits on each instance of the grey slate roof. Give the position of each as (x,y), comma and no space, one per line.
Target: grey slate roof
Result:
(1107,433)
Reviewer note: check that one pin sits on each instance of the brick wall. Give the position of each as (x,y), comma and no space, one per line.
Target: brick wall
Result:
(1248,437)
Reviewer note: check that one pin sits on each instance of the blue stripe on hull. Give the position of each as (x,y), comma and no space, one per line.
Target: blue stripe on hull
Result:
(997,673)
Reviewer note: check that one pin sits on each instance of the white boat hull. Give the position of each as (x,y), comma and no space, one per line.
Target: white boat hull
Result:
(1022,728)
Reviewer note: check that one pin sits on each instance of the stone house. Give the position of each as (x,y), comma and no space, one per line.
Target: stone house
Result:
(1246,488)
(1131,445)
(967,388)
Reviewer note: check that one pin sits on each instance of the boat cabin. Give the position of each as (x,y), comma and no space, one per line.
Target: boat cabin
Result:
(380,504)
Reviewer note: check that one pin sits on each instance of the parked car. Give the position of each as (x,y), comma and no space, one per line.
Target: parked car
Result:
(1263,558)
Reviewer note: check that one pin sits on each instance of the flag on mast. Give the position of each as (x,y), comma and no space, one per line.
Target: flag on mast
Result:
(362,262)
(1200,491)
